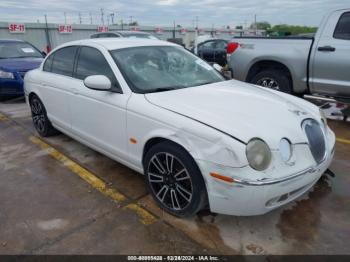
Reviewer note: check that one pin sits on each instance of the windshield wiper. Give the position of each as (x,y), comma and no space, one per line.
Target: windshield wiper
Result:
(163,89)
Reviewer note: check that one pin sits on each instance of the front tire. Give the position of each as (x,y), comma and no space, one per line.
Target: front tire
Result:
(274,79)
(41,122)
(174,180)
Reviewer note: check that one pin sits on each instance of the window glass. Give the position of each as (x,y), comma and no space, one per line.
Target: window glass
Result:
(209,45)
(48,63)
(92,62)
(149,69)
(11,49)
(220,45)
(342,31)
(63,61)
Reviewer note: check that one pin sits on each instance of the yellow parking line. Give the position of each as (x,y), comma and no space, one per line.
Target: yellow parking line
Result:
(3,117)
(345,141)
(80,171)
(145,217)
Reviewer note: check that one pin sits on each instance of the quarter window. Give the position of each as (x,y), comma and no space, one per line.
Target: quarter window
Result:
(342,31)
(92,62)
(48,64)
(63,61)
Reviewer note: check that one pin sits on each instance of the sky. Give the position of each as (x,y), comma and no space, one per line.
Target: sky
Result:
(217,13)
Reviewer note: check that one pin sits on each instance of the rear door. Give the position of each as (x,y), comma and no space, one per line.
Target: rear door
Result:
(206,51)
(220,53)
(330,72)
(57,83)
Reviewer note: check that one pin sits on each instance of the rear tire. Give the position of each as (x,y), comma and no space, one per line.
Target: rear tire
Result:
(174,180)
(41,122)
(274,79)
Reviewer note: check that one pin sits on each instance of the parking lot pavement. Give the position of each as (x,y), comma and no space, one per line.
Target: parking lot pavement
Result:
(49,209)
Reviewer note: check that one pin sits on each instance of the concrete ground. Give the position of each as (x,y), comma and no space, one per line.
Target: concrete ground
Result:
(59,197)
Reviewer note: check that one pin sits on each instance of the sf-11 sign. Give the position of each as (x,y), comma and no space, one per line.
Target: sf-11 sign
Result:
(17,28)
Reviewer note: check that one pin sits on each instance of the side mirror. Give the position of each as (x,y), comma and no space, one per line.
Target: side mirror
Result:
(43,54)
(98,82)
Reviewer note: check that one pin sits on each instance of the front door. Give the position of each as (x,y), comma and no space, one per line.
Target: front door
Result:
(98,117)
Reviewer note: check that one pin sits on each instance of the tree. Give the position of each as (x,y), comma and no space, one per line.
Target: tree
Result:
(292,29)
(135,23)
(261,25)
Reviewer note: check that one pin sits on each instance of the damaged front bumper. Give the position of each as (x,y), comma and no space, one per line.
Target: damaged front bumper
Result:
(245,197)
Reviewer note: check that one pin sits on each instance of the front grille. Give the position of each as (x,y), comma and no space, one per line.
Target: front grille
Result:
(316,139)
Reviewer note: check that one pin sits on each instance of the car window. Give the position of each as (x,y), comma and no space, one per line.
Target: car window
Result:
(92,62)
(18,50)
(48,64)
(342,30)
(63,61)
(220,45)
(209,45)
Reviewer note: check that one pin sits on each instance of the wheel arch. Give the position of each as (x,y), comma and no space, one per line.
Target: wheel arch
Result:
(262,65)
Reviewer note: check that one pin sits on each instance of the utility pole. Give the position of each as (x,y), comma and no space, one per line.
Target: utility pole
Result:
(80,18)
(65,18)
(174,30)
(197,22)
(48,42)
(255,25)
(102,17)
(122,23)
(90,18)
(112,18)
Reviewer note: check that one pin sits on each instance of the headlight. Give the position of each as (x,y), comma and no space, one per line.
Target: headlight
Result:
(323,117)
(258,154)
(285,149)
(6,75)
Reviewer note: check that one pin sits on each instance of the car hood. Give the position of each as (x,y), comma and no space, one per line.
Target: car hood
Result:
(241,110)
(20,64)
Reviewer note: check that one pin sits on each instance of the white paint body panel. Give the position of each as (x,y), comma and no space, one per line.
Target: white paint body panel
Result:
(212,122)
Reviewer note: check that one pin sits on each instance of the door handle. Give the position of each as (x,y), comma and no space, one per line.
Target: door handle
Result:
(75,91)
(326,48)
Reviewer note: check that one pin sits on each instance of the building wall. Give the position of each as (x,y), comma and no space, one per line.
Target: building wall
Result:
(35,33)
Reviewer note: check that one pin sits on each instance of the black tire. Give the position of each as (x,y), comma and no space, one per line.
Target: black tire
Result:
(168,191)
(279,77)
(41,122)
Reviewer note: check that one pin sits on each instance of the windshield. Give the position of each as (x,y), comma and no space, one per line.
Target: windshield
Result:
(162,68)
(18,50)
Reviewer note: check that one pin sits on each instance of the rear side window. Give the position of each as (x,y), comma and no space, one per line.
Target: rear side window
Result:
(342,31)
(63,61)
(48,64)
(92,62)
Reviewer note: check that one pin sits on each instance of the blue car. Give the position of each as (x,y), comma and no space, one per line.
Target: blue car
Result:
(16,59)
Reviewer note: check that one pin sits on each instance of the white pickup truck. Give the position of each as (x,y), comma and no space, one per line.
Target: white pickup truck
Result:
(317,65)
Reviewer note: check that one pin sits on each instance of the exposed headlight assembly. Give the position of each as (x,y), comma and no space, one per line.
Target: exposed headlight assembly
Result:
(258,154)
(6,75)
(323,117)
(285,148)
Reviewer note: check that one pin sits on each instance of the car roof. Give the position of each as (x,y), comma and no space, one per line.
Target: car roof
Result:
(120,43)
(133,32)
(11,41)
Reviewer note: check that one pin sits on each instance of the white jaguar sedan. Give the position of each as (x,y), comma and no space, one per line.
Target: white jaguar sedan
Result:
(199,140)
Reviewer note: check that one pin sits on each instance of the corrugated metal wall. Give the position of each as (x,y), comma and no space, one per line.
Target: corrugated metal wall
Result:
(35,33)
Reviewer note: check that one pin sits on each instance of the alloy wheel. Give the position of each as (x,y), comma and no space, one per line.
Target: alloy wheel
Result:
(269,83)
(170,181)
(38,115)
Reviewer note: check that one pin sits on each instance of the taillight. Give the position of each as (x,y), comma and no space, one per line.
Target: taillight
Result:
(231,47)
